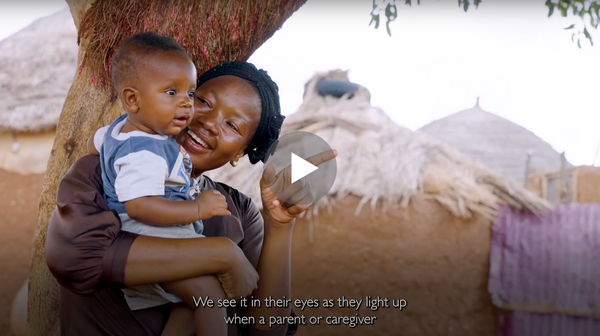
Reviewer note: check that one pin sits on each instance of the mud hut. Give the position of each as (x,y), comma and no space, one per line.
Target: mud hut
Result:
(408,217)
(573,185)
(37,65)
(495,142)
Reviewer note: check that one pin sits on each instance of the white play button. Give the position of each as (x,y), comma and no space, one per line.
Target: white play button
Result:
(301,168)
(300,158)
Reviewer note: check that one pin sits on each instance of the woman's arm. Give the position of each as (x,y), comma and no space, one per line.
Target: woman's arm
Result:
(275,260)
(156,260)
(87,251)
(274,270)
(264,252)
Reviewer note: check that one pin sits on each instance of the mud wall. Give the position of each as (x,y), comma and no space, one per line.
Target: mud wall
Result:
(535,185)
(19,200)
(587,189)
(32,156)
(588,185)
(422,254)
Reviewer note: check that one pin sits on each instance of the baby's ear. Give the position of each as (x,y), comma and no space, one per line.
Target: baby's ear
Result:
(131,99)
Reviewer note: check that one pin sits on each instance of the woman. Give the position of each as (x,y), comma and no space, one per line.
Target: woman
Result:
(237,112)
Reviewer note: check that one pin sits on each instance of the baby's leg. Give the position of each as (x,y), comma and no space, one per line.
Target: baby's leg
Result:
(207,320)
(180,322)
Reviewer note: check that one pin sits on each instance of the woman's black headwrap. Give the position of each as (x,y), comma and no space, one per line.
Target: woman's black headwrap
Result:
(271,118)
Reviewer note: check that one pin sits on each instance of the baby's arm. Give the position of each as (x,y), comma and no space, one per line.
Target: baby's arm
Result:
(90,146)
(157,210)
(94,142)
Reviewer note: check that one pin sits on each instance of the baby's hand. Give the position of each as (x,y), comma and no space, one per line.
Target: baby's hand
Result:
(211,203)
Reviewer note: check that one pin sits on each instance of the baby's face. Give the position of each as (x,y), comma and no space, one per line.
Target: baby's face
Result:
(167,82)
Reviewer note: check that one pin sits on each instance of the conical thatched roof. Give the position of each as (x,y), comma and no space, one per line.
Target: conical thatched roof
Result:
(37,65)
(494,142)
(379,160)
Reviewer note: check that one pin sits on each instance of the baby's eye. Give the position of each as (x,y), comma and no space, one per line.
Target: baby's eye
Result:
(171,92)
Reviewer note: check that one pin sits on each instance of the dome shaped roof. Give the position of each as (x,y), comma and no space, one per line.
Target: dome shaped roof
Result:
(37,65)
(495,142)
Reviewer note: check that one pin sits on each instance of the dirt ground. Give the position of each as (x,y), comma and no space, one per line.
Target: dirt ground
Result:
(19,198)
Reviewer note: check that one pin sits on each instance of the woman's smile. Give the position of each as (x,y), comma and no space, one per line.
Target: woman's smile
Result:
(197,142)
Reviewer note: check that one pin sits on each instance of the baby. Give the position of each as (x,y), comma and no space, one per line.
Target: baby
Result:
(146,173)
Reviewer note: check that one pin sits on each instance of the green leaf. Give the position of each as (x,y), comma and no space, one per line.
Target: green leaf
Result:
(586,33)
(551,9)
(387,27)
(466,5)
(391,12)
(570,27)
(476,3)
(579,43)
(374,18)
(563,9)
(408,3)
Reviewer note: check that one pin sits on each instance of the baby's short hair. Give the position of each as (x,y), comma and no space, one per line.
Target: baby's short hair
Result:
(126,60)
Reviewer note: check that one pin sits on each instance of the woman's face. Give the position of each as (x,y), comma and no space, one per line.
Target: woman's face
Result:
(227,111)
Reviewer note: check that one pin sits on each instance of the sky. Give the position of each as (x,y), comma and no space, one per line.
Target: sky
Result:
(439,59)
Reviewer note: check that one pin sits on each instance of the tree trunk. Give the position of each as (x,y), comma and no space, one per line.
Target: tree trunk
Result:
(212,32)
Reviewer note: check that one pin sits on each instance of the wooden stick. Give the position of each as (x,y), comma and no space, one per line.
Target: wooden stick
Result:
(574,181)
(562,182)
(527,162)
(545,187)
(311,230)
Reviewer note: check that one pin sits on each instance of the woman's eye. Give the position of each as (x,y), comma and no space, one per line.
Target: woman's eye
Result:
(191,94)
(232,125)
(202,100)
(171,92)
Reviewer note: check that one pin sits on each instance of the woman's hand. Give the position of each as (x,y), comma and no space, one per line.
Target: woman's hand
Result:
(239,278)
(277,211)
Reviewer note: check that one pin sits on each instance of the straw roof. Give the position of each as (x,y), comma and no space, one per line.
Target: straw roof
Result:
(380,161)
(495,142)
(37,65)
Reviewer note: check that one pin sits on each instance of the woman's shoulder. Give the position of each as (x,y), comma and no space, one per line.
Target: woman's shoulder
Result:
(84,170)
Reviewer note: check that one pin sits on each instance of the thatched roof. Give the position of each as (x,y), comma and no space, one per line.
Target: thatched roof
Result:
(37,65)
(495,142)
(379,160)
